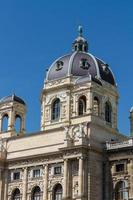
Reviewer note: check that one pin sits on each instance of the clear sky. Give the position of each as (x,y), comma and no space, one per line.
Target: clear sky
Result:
(34,33)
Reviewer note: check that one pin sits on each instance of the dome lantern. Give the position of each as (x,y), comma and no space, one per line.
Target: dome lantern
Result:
(80,43)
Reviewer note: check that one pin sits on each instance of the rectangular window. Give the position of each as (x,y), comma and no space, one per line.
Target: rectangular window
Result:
(36,173)
(57,170)
(16,175)
(120,167)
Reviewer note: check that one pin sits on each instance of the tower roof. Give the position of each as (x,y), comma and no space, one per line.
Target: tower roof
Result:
(12,98)
(81,64)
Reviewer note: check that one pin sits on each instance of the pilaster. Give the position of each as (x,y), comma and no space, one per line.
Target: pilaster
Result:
(65,185)
(45,193)
(24,197)
(5,183)
(81,179)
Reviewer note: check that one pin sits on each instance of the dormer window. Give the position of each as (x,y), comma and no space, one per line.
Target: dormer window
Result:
(59,65)
(105,68)
(84,64)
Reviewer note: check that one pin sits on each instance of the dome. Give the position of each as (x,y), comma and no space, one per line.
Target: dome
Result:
(81,64)
(12,98)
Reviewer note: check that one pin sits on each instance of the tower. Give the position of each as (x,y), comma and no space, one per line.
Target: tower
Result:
(79,86)
(12,108)
(80,97)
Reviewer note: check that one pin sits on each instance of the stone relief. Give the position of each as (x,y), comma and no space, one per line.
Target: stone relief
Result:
(75,132)
(13,186)
(32,162)
(35,183)
(57,82)
(75,188)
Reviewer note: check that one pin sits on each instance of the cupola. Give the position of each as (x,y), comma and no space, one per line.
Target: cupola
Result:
(80,43)
(12,110)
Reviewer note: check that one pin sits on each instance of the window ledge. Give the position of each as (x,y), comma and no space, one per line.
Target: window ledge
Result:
(120,173)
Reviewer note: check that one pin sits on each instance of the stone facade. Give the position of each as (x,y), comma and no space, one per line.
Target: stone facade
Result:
(75,154)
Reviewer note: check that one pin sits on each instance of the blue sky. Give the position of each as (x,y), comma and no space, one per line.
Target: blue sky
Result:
(34,33)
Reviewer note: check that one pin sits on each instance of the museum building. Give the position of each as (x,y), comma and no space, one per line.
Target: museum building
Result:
(78,153)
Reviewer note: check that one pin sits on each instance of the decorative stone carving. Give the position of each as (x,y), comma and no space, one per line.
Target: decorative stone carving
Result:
(75,188)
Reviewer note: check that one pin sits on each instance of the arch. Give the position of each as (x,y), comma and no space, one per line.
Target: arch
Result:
(121,190)
(82,105)
(16,194)
(4,122)
(36,193)
(96,106)
(57,192)
(55,110)
(108,112)
(18,123)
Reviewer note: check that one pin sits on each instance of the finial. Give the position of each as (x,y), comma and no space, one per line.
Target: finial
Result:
(80,30)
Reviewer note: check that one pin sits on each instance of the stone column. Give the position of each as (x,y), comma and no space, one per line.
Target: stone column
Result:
(22,125)
(11,121)
(5,183)
(90,102)
(65,179)
(80,177)
(45,190)
(24,197)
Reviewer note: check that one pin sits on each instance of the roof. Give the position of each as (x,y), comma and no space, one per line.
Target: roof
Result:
(80,64)
(12,98)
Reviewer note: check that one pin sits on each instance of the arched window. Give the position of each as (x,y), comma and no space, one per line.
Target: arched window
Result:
(16,194)
(121,191)
(5,123)
(108,112)
(18,123)
(57,194)
(96,106)
(36,193)
(56,109)
(82,105)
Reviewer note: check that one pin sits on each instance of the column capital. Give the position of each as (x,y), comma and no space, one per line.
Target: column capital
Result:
(45,165)
(25,168)
(65,159)
(81,157)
